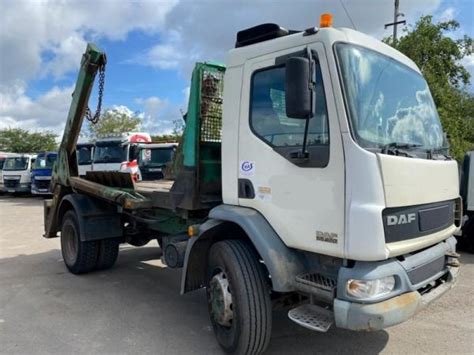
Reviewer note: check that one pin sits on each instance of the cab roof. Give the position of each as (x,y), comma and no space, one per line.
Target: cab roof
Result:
(293,41)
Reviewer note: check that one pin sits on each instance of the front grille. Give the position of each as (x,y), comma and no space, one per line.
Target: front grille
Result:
(11,184)
(42,184)
(403,223)
(426,271)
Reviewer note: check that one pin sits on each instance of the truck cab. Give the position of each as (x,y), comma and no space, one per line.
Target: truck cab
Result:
(113,150)
(41,173)
(17,173)
(151,161)
(84,156)
(3,156)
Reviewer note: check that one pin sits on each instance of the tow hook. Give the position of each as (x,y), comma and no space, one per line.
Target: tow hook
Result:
(452,259)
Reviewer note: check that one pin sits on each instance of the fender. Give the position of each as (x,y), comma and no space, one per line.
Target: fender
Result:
(282,263)
(97,219)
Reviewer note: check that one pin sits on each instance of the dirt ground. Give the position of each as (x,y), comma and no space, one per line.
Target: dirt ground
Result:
(135,308)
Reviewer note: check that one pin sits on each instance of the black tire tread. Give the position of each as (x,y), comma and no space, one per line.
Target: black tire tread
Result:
(257,293)
(108,253)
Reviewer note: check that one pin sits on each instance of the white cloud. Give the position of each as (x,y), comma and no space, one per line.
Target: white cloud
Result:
(448,14)
(46,112)
(468,61)
(157,115)
(205,30)
(31,30)
(67,56)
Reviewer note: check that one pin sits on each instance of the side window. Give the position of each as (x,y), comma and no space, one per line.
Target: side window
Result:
(268,117)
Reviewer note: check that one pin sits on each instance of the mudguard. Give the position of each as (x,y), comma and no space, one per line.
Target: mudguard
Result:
(97,219)
(282,263)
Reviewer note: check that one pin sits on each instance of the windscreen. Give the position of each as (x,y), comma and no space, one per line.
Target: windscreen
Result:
(109,152)
(16,163)
(45,161)
(388,102)
(155,156)
(2,161)
(84,155)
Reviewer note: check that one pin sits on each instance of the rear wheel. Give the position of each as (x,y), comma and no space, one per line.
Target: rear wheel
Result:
(238,298)
(79,257)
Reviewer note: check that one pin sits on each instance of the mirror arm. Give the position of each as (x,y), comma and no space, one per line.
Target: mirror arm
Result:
(304,153)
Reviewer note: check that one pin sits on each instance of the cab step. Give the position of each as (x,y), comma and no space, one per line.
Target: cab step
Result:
(318,285)
(312,317)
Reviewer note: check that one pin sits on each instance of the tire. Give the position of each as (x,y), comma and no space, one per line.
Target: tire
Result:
(468,235)
(235,263)
(79,257)
(108,252)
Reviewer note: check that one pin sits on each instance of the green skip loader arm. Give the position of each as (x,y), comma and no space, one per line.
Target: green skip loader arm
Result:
(66,165)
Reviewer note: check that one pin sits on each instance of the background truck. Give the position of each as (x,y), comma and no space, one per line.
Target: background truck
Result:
(111,151)
(310,174)
(466,234)
(84,156)
(3,156)
(151,161)
(41,173)
(17,173)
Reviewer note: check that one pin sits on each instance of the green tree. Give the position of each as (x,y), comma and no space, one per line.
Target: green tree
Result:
(17,140)
(114,121)
(439,58)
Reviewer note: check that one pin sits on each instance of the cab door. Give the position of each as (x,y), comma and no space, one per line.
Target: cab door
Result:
(302,199)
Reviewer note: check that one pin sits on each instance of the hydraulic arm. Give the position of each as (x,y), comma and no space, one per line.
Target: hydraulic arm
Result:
(93,60)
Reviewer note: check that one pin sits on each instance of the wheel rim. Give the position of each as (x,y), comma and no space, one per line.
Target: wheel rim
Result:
(220,300)
(69,244)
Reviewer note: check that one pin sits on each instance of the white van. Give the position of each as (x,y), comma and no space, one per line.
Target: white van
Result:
(111,151)
(3,156)
(17,173)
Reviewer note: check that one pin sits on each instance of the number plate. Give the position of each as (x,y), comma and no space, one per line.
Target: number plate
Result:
(155,169)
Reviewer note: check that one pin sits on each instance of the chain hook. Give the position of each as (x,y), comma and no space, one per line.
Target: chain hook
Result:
(95,118)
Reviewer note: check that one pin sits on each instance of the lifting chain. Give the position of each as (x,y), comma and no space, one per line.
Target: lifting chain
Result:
(95,118)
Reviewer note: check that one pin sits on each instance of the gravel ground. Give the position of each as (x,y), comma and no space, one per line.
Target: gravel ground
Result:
(135,308)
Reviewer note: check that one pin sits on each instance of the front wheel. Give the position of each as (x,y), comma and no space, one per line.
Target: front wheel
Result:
(238,296)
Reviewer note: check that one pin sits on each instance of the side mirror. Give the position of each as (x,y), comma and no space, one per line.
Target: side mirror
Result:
(298,95)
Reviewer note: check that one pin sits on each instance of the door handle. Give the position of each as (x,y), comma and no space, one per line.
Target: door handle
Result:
(246,189)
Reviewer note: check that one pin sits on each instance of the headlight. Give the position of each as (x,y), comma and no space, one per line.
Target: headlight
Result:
(370,288)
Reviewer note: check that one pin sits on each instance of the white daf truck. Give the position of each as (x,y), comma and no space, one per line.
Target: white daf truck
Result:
(311,172)
(17,173)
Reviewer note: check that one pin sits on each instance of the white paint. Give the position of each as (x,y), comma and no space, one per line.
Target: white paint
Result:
(303,200)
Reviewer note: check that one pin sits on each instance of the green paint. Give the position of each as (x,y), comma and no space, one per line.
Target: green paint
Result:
(191,135)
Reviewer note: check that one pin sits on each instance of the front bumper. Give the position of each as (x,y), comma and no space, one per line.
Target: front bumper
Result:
(18,188)
(36,191)
(421,278)
(375,316)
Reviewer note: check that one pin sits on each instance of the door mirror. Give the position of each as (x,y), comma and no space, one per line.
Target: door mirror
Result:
(298,95)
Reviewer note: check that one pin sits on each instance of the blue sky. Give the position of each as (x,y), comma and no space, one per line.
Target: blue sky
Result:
(152,46)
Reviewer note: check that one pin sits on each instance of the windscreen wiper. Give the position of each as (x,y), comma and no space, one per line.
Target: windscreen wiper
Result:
(443,151)
(397,148)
